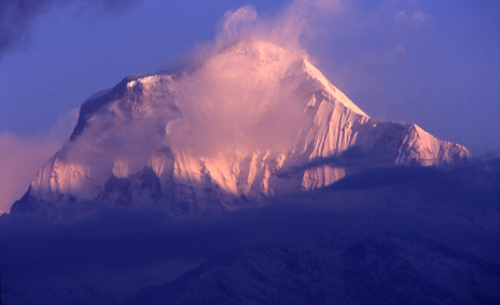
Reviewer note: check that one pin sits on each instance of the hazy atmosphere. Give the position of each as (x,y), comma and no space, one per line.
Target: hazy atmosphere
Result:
(433,64)
(204,152)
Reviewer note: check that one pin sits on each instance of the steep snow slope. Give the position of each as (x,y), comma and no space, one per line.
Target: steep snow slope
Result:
(251,121)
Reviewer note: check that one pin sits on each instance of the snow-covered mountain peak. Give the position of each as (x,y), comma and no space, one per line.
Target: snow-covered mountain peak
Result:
(269,61)
(315,73)
(250,121)
(257,50)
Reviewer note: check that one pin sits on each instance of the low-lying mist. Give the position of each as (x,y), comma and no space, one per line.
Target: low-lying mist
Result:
(115,251)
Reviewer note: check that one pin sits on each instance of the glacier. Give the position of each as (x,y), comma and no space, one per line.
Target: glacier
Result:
(250,121)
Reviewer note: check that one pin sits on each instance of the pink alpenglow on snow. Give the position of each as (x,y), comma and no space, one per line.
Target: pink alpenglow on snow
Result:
(249,121)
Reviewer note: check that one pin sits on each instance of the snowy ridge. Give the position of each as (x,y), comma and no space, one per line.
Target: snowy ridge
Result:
(252,121)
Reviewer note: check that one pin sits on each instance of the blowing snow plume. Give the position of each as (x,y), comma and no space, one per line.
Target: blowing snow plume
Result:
(249,119)
(237,100)
(285,29)
(252,123)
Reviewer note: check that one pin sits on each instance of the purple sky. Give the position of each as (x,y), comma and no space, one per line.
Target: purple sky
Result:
(434,63)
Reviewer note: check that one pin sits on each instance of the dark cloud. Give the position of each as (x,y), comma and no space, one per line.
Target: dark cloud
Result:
(17,16)
(120,250)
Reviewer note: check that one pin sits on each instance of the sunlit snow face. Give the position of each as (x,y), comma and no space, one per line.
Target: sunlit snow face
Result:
(245,98)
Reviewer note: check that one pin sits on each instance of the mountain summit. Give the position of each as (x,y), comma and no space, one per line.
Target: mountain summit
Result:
(251,121)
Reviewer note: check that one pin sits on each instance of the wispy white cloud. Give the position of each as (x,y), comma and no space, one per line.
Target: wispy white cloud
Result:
(399,50)
(226,99)
(236,22)
(285,29)
(22,156)
(415,18)
(420,16)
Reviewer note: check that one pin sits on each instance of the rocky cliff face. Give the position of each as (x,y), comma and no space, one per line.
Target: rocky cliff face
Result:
(252,121)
